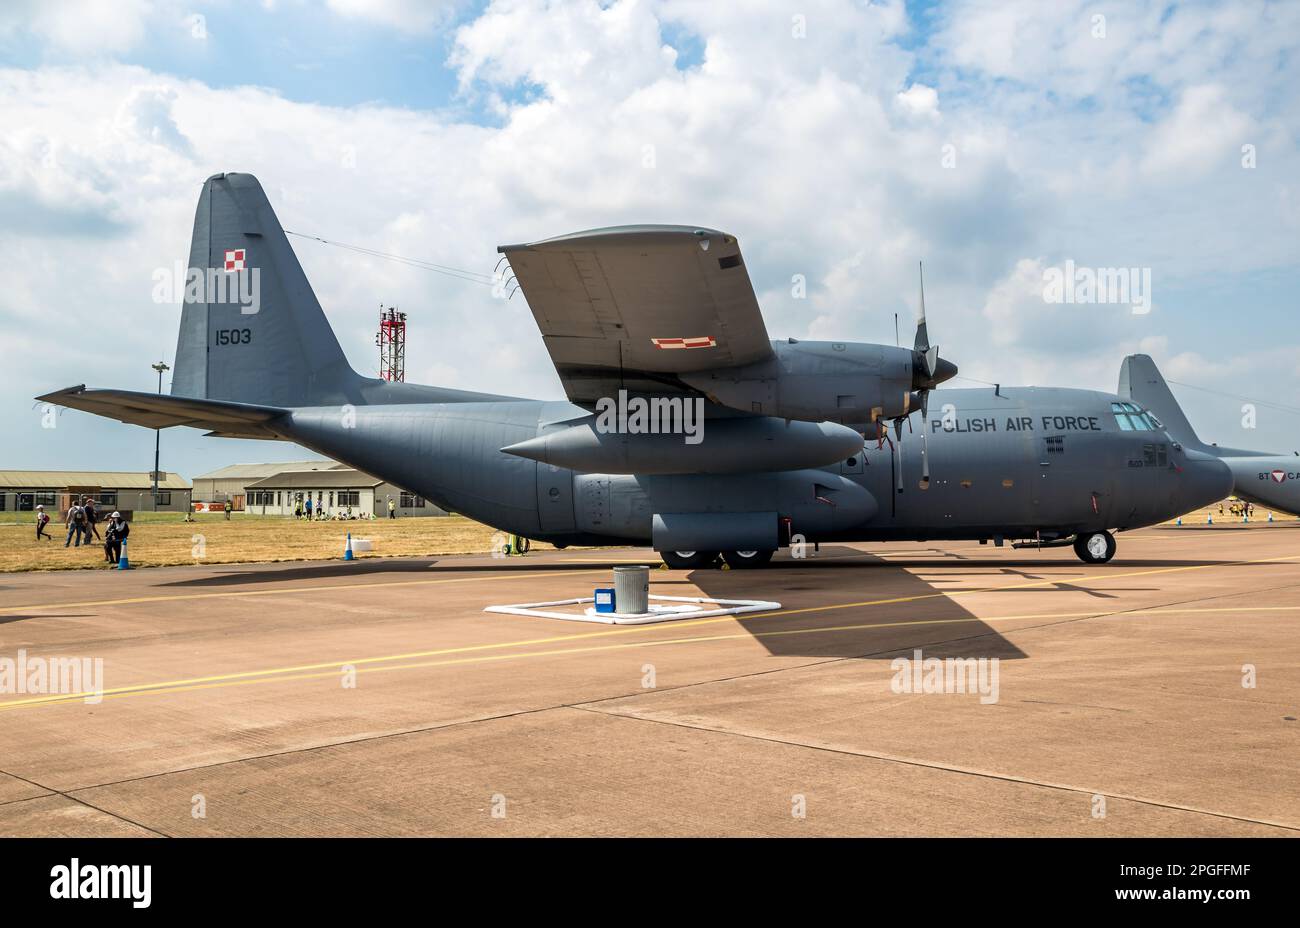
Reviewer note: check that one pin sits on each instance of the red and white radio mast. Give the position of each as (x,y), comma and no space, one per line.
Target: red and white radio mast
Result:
(392,345)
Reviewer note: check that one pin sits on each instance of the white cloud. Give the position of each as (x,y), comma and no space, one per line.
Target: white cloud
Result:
(417,16)
(1203,132)
(146,115)
(80,27)
(920,100)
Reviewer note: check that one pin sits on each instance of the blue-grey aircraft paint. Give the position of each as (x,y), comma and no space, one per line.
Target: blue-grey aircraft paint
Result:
(1262,477)
(1015,463)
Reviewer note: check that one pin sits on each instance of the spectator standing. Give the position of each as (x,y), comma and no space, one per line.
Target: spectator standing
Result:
(92,517)
(76,520)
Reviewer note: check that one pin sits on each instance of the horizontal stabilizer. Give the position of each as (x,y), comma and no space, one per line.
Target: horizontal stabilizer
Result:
(159,411)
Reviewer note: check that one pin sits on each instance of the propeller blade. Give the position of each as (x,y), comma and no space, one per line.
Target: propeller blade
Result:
(922,342)
(898,470)
(925,448)
(932,360)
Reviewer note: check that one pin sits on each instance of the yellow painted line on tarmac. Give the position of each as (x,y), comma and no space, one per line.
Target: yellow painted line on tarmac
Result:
(186,686)
(283,672)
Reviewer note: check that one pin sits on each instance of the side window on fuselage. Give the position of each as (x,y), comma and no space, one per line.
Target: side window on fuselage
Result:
(1132,418)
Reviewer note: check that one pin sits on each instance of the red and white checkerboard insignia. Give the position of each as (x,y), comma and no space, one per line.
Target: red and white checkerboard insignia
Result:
(1279,475)
(234,259)
(702,341)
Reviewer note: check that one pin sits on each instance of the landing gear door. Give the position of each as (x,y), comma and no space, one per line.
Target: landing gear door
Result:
(555,499)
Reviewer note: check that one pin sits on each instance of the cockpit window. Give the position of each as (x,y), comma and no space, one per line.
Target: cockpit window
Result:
(1132,418)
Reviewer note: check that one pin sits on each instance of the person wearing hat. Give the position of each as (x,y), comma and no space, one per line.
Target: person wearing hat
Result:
(92,516)
(114,535)
(42,520)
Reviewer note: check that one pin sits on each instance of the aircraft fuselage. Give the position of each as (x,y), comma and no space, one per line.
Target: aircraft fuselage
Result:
(1010,463)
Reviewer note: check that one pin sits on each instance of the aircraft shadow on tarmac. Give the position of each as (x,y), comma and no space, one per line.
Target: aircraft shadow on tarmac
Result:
(858,606)
(341,570)
(19,617)
(858,591)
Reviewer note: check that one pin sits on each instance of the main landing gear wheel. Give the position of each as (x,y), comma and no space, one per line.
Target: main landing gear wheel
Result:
(689,560)
(739,560)
(1095,547)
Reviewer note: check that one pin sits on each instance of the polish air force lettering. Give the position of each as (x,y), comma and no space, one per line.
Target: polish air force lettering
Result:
(1054,424)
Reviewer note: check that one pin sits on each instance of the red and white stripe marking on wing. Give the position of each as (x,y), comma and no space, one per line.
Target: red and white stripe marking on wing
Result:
(701,341)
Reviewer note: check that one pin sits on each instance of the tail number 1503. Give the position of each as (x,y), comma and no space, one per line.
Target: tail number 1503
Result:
(234,336)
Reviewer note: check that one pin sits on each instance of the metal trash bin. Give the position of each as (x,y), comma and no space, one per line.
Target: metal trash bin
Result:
(631,590)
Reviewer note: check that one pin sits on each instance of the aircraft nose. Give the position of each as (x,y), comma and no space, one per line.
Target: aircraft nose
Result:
(1206,480)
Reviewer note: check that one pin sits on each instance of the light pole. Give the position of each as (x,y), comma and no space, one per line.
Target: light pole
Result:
(159,367)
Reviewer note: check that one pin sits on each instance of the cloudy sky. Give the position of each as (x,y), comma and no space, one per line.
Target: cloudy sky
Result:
(841,141)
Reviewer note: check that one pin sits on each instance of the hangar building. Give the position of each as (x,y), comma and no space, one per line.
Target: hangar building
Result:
(24,490)
(227,484)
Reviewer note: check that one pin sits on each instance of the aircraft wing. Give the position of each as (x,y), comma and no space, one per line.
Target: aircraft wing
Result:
(160,411)
(636,305)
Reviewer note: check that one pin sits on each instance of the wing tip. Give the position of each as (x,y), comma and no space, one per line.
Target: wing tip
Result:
(57,394)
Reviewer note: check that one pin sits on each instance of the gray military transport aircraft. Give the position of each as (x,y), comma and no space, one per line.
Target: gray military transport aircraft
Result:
(665,313)
(1261,477)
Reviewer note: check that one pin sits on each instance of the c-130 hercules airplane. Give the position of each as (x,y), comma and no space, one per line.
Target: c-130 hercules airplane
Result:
(664,312)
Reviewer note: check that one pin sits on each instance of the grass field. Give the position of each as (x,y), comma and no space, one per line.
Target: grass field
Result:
(163,538)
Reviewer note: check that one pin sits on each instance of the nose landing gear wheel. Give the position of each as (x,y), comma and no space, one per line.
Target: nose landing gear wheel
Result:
(1095,547)
(739,560)
(689,560)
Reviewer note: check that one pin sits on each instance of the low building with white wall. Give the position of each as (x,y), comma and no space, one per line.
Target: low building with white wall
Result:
(275,489)
(338,492)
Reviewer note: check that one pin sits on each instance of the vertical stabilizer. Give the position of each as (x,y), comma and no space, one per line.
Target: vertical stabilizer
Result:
(1140,381)
(252,330)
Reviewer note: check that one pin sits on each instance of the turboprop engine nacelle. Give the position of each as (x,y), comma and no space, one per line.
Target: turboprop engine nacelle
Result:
(848,382)
(724,446)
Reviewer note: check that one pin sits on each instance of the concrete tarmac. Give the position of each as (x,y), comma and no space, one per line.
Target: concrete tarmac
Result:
(1155,695)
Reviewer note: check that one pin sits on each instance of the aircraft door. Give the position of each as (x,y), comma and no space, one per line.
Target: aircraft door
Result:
(555,499)
(1065,490)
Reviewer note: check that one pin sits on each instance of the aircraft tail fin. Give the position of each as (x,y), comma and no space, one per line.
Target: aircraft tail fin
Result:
(1140,380)
(252,330)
